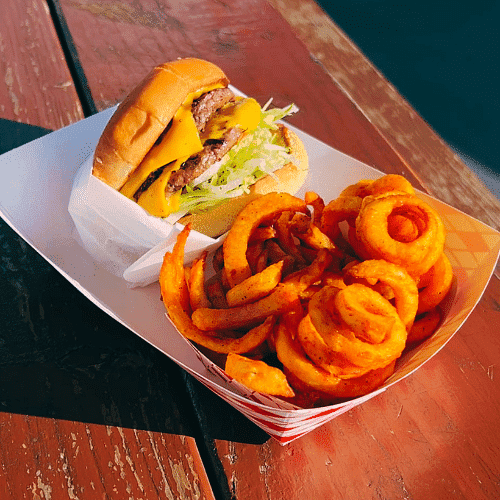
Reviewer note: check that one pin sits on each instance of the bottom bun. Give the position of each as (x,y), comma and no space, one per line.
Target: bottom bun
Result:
(289,179)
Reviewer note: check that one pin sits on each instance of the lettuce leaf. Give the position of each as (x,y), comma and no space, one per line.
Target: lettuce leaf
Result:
(256,155)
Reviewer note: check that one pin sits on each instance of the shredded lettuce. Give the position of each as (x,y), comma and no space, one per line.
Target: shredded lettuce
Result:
(256,155)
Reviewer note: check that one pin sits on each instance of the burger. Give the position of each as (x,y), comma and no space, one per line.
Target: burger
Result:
(187,148)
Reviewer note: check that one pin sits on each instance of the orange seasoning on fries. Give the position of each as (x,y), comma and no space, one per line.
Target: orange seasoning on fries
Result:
(312,301)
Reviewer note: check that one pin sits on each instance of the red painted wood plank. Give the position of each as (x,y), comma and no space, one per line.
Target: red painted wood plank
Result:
(47,458)
(36,86)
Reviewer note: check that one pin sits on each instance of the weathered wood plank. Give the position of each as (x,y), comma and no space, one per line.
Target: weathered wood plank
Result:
(36,86)
(87,409)
(48,458)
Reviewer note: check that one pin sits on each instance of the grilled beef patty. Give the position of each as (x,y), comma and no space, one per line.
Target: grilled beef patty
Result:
(212,152)
(207,104)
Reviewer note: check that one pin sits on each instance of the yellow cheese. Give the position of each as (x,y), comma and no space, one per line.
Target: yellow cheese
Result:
(182,139)
(242,113)
(154,201)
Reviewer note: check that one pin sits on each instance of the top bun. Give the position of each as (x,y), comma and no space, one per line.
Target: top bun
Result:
(145,113)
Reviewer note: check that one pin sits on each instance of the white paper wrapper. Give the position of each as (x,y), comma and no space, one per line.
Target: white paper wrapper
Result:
(119,234)
(38,181)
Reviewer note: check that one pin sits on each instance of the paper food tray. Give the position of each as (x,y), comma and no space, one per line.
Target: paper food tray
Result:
(34,198)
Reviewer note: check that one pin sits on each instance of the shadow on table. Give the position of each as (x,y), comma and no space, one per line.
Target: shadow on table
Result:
(62,357)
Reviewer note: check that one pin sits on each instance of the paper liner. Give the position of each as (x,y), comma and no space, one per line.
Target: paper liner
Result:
(132,250)
(34,200)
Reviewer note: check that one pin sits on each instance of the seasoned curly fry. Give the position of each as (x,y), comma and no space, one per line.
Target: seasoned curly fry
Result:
(196,283)
(257,286)
(294,359)
(402,284)
(417,256)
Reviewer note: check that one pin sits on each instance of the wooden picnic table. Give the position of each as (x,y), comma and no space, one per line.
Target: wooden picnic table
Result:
(88,410)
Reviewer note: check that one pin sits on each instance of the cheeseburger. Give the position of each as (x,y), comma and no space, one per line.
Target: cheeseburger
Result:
(186,148)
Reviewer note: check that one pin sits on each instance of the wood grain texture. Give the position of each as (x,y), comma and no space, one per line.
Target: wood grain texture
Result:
(36,86)
(51,459)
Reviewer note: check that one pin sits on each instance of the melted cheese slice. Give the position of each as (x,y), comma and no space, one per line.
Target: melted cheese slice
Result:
(182,139)
(243,113)
(179,143)
(154,201)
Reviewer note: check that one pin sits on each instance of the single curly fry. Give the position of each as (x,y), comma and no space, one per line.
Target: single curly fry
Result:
(416,256)
(172,276)
(293,358)
(322,355)
(280,300)
(403,285)
(440,277)
(218,341)
(352,345)
(365,312)
(196,283)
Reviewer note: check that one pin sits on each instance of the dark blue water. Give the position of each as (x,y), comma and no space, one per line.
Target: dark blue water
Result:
(443,57)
